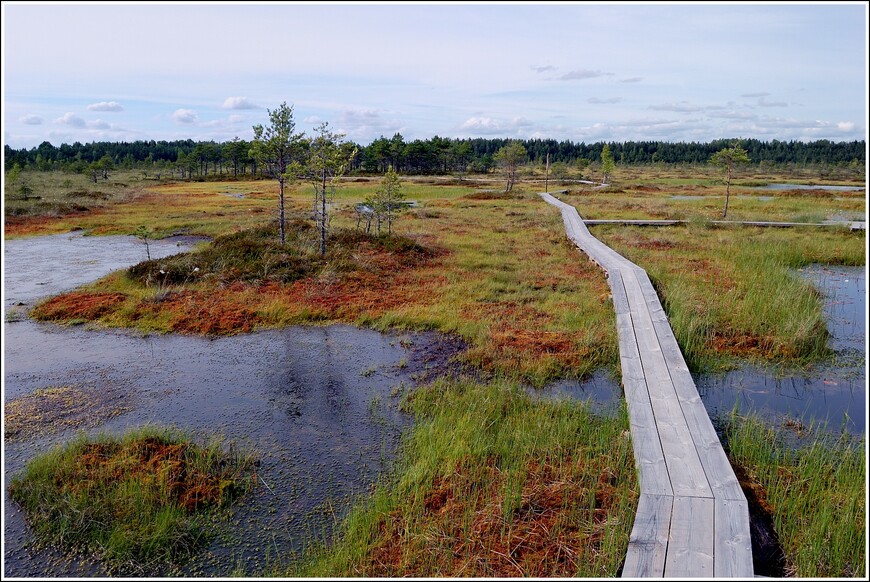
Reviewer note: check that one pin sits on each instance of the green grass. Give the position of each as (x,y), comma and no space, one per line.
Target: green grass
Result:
(644,201)
(492,483)
(139,502)
(815,493)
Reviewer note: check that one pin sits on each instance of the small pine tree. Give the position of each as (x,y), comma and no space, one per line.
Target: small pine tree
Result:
(388,200)
(729,158)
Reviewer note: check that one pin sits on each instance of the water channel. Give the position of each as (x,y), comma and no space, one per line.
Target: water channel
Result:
(318,404)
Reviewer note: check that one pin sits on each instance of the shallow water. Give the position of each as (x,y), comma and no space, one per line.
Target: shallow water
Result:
(601,392)
(834,393)
(46,265)
(316,404)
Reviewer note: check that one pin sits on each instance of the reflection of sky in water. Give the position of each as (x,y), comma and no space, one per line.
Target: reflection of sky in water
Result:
(46,265)
(601,392)
(835,393)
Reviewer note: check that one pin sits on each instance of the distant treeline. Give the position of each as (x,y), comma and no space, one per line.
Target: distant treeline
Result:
(436,155)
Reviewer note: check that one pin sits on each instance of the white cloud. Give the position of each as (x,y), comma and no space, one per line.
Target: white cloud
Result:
(594,132)
(581,74)
(679,107)
(70,118)
(607,100)
(239,103)
(366,124)
(229,121)
(732,114)
(312,119)
(482,124)
(359,115)
(631,80)
(98,124)
(765,103)
(31,119)
(184,116)
(105,106)
(543,68)
(845,125)
(493,126)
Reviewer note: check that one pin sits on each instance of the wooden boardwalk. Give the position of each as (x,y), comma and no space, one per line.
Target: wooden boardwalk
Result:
(692,517)
(665,222)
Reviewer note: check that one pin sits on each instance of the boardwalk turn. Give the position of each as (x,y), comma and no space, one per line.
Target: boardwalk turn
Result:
(692,517)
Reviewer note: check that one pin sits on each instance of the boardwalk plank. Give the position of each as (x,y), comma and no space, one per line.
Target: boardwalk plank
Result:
(684,465)
(648,454)
(620,299)
(717,468)
(732,556)
(690,547)
(648,543)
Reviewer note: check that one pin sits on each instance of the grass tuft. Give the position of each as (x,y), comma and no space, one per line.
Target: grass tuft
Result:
(139,501)
(814,490)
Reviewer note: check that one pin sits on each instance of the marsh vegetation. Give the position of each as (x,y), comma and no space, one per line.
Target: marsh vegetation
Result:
(142,502)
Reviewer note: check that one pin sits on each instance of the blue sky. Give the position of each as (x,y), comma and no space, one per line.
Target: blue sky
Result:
(578,71)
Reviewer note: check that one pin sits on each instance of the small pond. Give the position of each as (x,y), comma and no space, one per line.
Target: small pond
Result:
(834,393)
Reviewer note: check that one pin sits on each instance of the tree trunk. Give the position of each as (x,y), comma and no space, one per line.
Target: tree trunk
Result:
(727,193)
(547,175)
(323,215)
(281,208)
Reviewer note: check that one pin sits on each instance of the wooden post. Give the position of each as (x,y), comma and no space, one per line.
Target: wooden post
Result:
(547,175)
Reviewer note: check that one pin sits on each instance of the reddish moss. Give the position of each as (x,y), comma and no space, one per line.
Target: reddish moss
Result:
(218,312)
(742,344)
(470,535)
(78,305)
(149,460)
